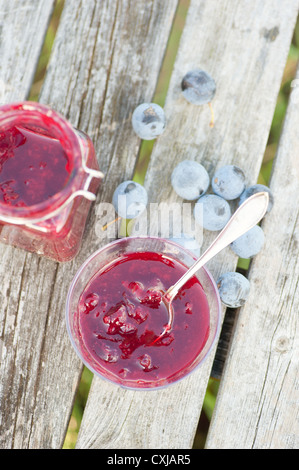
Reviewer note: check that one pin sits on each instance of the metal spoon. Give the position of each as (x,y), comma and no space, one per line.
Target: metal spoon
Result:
(244,218)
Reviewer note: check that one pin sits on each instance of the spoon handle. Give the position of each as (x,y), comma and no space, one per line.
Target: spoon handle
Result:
(246,216)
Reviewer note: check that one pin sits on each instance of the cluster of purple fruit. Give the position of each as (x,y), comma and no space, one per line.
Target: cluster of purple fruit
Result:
(148,122)
(191,181)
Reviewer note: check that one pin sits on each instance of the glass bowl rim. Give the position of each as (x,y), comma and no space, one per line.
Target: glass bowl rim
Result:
(77,276)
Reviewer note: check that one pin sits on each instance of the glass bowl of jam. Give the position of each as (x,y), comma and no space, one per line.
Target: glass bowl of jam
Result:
(115,313)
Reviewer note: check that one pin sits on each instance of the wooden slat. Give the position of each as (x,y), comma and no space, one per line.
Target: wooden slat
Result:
(106,60)
(258,401)
(23,25)
(244,46)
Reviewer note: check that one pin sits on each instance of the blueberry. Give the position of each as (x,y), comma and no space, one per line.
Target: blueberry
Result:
(216,212)
(257,188)
(233,289)
(188,242)
(249,244)
(148,121)
(229,182)
(129,199)
(198,87)
(190,180)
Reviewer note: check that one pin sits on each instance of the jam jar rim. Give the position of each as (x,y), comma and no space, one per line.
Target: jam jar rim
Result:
(50,206)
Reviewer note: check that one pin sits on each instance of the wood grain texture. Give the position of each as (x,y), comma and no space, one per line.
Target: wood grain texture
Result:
(23,25)
(258,401)
(233,42)
(106,60)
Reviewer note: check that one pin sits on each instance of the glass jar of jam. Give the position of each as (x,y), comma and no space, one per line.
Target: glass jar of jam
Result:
(49,176)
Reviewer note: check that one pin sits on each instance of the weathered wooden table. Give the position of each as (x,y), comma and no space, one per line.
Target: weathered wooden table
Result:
(105,61)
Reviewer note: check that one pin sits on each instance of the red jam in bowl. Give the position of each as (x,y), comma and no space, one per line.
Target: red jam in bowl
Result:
(121,314)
